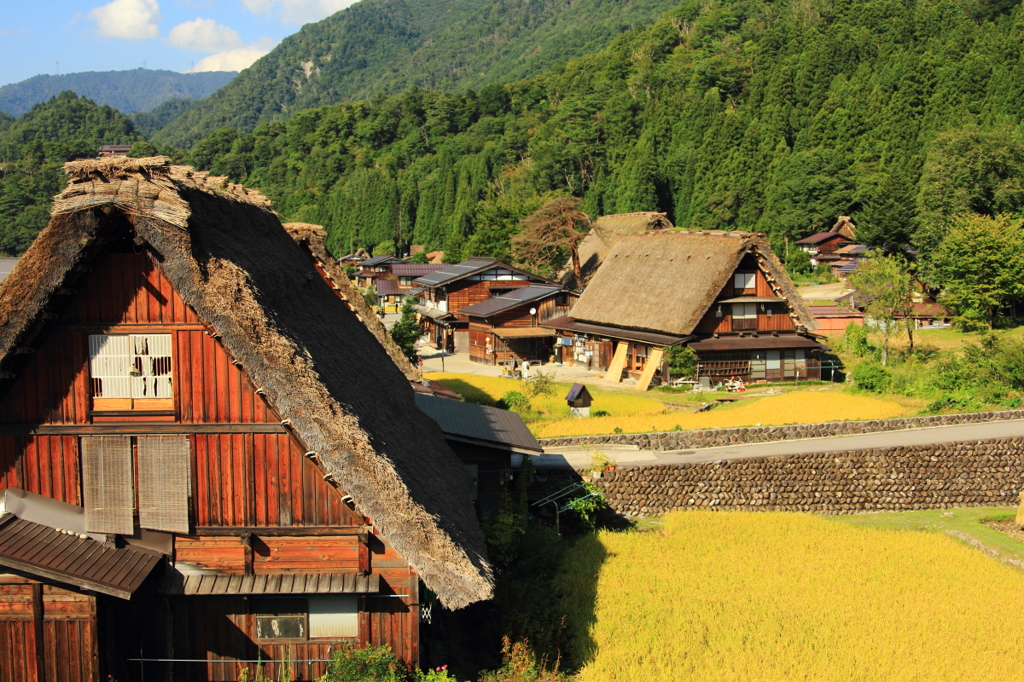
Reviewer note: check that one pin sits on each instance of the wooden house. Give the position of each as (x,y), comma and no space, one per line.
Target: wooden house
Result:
(828,247)
(446,292)
(723,294)
(604,232)
(508,328)
(490,442)
(195,476)
(372,269)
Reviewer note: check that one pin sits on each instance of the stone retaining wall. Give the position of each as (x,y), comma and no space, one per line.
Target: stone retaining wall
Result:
(691,440)
(987,472)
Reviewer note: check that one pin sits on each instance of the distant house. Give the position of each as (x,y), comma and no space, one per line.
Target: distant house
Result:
(209,461)
(824,247)
(445,292)
(602,236)
(723,294)
(508,328)
(109,150)
(925,311)
(369,270)
(354,258)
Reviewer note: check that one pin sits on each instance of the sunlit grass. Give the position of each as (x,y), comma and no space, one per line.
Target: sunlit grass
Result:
(772,596)
(789,408)
(639,414)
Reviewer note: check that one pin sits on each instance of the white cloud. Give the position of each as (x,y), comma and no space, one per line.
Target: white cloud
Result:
(205,35)
(295,12)
(236,59)
(128,19)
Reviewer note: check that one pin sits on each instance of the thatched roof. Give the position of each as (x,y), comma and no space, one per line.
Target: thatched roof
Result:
(603,234)
(664,281)
(227,256)
(312,238)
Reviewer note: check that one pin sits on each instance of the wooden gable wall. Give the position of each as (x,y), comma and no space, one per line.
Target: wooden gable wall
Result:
(779,320)
(247,469)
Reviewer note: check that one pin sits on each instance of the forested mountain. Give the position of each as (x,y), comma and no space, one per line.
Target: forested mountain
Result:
(150,122)
(387,46)
(34,147)
(727,114)
(126,91)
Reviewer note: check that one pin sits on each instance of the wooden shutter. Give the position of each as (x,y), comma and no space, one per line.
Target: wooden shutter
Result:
(164,481)
(107,482)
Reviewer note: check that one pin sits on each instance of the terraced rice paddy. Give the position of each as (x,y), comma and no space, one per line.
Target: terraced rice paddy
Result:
(771,596)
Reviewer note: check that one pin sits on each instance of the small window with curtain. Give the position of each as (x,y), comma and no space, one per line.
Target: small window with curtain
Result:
(131,371)
(281,619)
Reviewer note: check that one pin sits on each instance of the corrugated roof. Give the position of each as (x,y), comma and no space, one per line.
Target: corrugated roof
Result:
(191,584)
(457,271)
(570,325)
(762,342)
(523,332)
(415,269)
(432,313)
(498,428)
(821,237)
(377,260)
(388,287)
(512,299)
(70,558)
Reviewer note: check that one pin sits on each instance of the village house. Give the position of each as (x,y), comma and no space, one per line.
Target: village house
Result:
(371,269)
(446,292)
(723,294)
(195,477)
(109,150)
(602,236)
(825,247)
(507,329)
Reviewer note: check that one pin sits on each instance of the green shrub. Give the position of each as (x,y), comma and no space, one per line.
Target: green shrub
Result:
(871,377)
(372,664)
(515,401)
(601,413)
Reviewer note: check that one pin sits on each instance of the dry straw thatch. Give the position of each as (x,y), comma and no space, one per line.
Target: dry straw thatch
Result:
(664,281)
(227,256)
(604,232)
(312,237)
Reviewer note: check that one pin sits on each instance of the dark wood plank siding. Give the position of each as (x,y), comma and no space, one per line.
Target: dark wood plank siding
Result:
(69,646)
(467,292)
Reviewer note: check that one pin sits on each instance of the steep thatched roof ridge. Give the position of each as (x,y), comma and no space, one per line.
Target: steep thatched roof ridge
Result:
(603,234)
(231,261)
(664,281)
(312,237)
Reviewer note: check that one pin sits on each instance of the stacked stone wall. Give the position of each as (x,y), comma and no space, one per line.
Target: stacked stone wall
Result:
(691,440)
(976,473)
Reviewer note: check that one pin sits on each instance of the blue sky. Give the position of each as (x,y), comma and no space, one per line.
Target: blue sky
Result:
(51,36)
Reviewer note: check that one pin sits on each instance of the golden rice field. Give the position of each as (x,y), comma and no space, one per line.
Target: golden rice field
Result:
(773,596)
(787,408)
(638,414)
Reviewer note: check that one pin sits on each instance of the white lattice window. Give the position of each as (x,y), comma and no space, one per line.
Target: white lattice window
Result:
(131,371)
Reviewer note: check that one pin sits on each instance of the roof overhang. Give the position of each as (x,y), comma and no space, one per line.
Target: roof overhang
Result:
(753,299)
(760,342)
(432,313)
(569,324)
(523,332)
(204,584)
(72,558)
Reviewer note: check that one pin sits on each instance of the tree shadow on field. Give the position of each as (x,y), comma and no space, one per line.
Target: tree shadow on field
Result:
(577,587)
(469,392)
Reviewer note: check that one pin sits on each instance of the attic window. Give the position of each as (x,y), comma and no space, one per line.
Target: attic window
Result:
(743,281)
(131,371)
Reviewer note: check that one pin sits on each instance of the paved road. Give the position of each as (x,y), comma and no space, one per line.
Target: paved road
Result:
(623,456)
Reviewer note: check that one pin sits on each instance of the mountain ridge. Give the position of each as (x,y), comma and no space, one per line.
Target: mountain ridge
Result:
(129,91)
